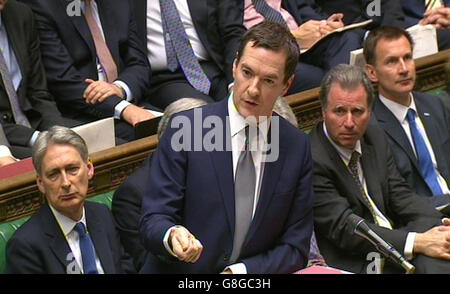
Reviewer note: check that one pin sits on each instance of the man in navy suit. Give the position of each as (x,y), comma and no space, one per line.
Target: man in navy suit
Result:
(80,57)
(213,30)
(416,12)
(388,52)
(49,243)
(190,211)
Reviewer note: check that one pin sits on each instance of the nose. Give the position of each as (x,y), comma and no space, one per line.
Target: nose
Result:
(65,183)
(403,67)
(253,88)
(348,121)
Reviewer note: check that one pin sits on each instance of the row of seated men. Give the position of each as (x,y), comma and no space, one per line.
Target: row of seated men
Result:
(121,58)
(235,188)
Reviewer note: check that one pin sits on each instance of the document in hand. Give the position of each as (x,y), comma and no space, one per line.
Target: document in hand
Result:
(339,30)
(425,40)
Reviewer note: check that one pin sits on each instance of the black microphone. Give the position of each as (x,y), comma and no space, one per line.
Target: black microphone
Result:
(362,229)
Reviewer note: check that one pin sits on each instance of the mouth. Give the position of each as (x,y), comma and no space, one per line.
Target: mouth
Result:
(405,81)
(67,197)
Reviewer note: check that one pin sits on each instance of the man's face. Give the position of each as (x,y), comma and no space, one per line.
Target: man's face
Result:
(2,4)
(346,115)
(394,68)
(64,179)
(259,81)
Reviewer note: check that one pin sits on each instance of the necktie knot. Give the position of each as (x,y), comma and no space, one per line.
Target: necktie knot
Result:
(353,163)
(411,115)
(80,228)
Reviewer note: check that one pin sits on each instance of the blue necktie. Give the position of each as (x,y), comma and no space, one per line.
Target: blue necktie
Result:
(268,12)
(178,47)
(424,158)
(87,250)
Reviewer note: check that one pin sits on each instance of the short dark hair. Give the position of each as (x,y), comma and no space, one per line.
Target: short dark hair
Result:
(275,37)
(349,77)
(383,32)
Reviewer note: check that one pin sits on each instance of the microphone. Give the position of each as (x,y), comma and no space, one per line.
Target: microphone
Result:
(363,230)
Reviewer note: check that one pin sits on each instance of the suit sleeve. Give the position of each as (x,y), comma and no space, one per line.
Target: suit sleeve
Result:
(21,258)
(292,248)
(64,80)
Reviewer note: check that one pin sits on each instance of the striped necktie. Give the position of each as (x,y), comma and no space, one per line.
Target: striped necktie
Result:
(268,12)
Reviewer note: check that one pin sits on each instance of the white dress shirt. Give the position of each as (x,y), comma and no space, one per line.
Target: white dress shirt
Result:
(67,226)
(156,47)
(400,112)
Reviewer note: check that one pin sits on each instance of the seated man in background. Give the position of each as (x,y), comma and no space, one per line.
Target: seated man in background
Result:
(426,12)
(308,27)
(127,200)
(191,46)
(66,234)
(417,125)
(355,174)
(26,106)
(227,208)
(96,66)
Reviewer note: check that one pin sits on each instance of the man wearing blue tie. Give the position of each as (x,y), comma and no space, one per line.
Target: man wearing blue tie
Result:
(417,125)
(67,234)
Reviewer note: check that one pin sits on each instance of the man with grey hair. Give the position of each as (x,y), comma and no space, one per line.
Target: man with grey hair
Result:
(355,177)
(67,234)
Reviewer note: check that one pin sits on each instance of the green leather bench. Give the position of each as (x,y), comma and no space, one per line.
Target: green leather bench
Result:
(8,229)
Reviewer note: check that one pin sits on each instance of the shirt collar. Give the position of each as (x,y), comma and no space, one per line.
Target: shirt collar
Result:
(67,224)
(238,122)
(398,110)
(345,153)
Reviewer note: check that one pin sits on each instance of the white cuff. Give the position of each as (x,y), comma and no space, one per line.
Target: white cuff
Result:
(119,108)
(33,138)
(166,240)
(126,88)
(409,246)
(237,268)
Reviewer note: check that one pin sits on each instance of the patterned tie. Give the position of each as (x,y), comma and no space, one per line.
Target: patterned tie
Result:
(353,167)
(17,112)
(104,55)
(423,156)
(179,47)
(87,249)
(244,192)
(432,4)
(268,12)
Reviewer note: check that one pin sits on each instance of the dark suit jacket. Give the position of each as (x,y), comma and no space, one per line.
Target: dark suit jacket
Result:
(34,98)
(69,54)
(39,246)
(338,196)
(219,25)
(414,10)
(3,140)
(436,120)
(357,11)
(126,210)
(196,190)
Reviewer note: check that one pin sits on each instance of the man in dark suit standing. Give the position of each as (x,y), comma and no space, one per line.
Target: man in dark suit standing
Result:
(209,33)
(417,125)
(26,106)
(67,234)
(95,63)
(232,207)
(355,174)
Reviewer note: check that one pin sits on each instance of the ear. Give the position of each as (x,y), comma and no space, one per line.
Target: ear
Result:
(288,85)
(234,68)
(371,73)
(40,184)
(90,167)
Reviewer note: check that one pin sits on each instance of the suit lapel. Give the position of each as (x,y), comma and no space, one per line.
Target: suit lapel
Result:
(223,164)
(100,239)
(57,241)
(370,170)
(394,130)
(82,27)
